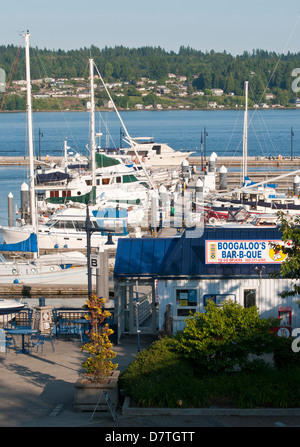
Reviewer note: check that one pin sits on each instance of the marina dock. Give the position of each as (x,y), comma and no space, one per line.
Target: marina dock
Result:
(259,168)
(278,163)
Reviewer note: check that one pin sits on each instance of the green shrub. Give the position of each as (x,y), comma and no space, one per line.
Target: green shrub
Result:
(161,377)
(224,336)
(284,356)
(194,368)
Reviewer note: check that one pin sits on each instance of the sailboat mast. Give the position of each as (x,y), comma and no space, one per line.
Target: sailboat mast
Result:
(93,142)
(30,133)
(131,141)
(245,134)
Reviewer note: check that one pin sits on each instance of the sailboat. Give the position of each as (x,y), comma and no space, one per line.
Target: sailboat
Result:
(111,177)
(66,229)
(54,269)
(47,269)
(257,199)
(109,185)
(104,174)
(60,173)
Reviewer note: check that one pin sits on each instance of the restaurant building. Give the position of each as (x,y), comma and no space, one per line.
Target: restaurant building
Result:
(179,275)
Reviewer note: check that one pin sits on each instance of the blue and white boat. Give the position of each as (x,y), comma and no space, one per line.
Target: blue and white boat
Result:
(68,268)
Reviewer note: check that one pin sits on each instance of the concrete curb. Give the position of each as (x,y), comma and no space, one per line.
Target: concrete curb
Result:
(213,411)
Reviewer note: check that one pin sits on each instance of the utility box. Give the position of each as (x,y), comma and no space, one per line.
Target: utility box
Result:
(285,325)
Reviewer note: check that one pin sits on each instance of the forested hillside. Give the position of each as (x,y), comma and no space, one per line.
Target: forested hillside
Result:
(266,71)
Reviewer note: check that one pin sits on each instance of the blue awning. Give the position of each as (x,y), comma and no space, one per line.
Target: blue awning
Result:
(27,246)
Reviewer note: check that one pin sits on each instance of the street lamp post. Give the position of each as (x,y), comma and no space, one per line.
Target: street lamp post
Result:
(201,151)
(205,135)
(292,134)
(40,135)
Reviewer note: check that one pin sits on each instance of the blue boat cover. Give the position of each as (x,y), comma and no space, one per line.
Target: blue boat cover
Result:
(27,246)
(185,256)
(51,177)
(248,182)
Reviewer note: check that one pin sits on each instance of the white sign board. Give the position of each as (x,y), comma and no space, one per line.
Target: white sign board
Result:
(243,252)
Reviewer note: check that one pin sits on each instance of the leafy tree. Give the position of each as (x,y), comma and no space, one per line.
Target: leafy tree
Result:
(290,267)
(99,364)
(108,70)
(158,67)
(204,81)
(257,89)
(204,71)
(150,99)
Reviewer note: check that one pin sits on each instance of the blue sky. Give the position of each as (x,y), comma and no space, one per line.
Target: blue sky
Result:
(231,25)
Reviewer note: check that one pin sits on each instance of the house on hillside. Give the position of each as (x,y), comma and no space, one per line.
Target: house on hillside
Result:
(217,91)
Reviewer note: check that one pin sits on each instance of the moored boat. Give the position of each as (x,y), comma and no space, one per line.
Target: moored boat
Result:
(10,306)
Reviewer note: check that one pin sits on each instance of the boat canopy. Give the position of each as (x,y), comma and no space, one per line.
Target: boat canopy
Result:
(51,177)
(27,246)
(84,198)
(102,161)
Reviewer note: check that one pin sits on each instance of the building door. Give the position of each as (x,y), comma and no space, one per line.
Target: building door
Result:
(249,297)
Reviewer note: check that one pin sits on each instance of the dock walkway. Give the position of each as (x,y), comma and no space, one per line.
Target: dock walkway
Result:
(262,162)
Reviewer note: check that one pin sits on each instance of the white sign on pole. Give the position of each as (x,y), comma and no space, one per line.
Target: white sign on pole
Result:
(94,261)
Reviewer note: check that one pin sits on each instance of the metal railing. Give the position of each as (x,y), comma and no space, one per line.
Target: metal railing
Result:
(69,314)
(63,320)
(21,318)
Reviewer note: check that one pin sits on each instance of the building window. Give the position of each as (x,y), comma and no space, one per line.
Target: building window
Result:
(186,300)
(218,298)
(249,297)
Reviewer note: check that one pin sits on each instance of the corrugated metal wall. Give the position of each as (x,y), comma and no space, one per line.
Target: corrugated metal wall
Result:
(267,298)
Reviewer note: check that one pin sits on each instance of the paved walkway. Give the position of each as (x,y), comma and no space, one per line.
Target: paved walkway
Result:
(38,390)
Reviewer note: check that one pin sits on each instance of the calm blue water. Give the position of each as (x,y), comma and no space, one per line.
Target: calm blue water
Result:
(269,130)
(269,135)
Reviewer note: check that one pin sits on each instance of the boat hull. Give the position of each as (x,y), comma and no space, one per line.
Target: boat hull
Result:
(70,276)
(50,241)
(10,306)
